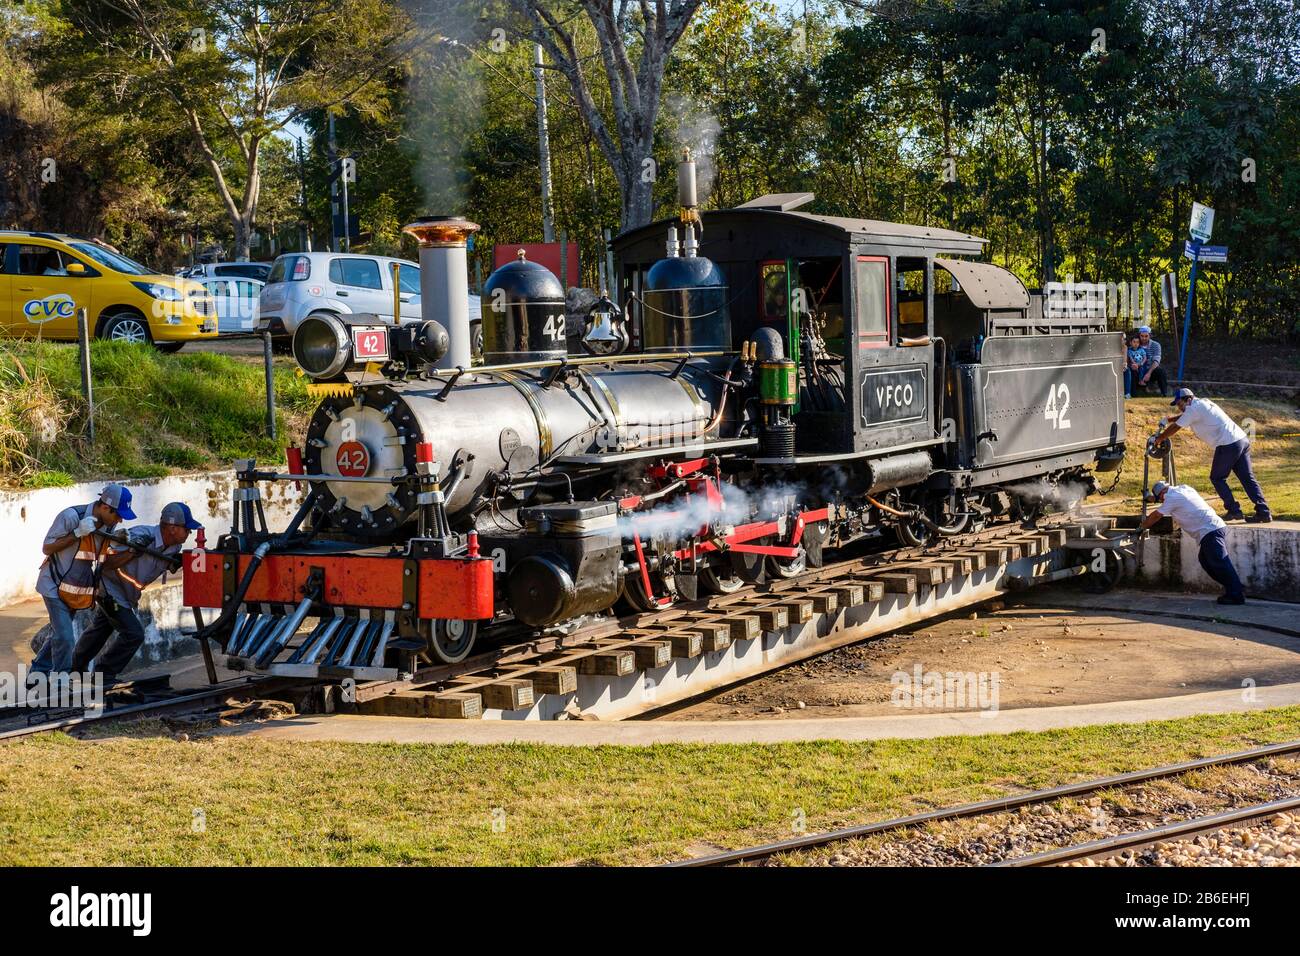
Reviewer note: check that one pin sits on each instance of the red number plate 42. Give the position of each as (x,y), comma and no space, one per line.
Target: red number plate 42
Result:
(370,343)
(352,459)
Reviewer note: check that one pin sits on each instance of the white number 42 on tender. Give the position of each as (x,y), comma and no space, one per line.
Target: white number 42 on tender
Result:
(1054,413)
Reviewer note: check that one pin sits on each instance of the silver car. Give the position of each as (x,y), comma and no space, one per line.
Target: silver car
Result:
(337,283)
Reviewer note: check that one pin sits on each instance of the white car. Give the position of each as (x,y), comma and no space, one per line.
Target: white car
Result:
(335,283)
(228,270)
(237,303)
(339,283)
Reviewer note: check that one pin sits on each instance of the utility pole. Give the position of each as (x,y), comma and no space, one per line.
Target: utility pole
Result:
(334,187)
(347,226)
(543,147)
(304,227)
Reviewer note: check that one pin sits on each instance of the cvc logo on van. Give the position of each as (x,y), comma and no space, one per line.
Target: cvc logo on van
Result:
(57,306)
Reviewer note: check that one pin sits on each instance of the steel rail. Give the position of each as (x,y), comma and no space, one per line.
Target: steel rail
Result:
(1182,830)
(994,805)
(180,702)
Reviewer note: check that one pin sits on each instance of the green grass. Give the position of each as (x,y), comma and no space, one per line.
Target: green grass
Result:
(132,799)
(154,413)
(1275,452)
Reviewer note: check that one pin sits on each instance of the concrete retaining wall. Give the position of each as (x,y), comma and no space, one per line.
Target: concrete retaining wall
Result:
(162,614)
(1267,559)
(26,516)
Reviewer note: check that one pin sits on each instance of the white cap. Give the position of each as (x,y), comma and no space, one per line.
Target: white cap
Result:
(1159,488)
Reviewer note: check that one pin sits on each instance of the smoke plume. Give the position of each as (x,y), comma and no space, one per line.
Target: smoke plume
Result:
(693,127)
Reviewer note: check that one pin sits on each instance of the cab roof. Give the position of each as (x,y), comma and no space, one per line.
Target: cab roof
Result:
(775,213)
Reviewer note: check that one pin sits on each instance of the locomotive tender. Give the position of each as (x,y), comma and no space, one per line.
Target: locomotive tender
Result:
(777,384)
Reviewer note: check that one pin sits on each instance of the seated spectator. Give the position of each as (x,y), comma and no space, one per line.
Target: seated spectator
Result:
(1135,358)
(1151,370)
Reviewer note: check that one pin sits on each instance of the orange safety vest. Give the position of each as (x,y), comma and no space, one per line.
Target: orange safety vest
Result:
(77,587)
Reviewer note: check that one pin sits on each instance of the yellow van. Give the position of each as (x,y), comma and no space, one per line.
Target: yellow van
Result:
(45,278)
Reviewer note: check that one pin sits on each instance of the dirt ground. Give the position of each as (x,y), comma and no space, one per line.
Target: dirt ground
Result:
(1044,655)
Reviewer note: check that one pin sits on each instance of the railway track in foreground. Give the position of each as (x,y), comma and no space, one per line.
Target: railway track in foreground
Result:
(1138,839)
(161,705)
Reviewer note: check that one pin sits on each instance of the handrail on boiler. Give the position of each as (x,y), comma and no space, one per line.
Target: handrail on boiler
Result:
(451,376)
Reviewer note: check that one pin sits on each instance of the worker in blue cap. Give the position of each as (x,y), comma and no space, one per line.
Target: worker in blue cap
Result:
(1212,425)
(68,577)
(152,551)
(1185,505)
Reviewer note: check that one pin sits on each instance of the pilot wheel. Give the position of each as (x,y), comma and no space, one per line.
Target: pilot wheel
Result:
(450,641)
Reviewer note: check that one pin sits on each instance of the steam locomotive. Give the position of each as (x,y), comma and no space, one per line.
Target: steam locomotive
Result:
(764,385)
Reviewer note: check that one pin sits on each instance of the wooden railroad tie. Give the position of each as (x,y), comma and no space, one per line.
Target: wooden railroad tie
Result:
(611,663)
(957,565)
(424,703)
(744,625)
(798,608)
(770,617)
(647,654)
(714,635)
(897,583)
(929,573)
(548,680)
(503,693)
(683,644)
(824,601)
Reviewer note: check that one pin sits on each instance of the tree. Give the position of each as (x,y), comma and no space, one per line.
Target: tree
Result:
(233,73)
(645,32)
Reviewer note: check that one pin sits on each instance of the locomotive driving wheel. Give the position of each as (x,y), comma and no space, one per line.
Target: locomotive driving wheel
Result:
(719,577)
(788,567)
(450,641)
(946,522)
(634,590)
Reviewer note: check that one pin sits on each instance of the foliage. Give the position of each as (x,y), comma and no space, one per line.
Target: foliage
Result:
(154,413)
(1073,135)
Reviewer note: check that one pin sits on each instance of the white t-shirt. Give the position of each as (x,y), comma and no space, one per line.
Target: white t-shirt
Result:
(1210,423)
(1185,505)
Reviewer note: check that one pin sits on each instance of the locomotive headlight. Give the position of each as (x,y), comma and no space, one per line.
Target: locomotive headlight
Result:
(322,347)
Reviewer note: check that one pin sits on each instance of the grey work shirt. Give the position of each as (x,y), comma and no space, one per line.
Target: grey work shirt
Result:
(124,584)
(65,523)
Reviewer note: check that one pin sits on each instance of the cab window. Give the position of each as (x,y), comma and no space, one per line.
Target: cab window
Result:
(912,322)
(361,273)
(820,299)
(872,280)
(776,295)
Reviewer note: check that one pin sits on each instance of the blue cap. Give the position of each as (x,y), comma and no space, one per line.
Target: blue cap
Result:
(179,513)
(119,499)
(1159,488)
(1180,394)
(1144,328)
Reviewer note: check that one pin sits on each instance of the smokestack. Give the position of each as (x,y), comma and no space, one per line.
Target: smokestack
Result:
(444,280)
(686,196)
